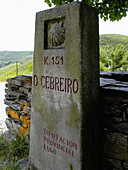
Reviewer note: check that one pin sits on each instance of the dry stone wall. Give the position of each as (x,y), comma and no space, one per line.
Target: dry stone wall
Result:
(18,100)
(114,120)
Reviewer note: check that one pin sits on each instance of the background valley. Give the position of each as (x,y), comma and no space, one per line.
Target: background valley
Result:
(113,57)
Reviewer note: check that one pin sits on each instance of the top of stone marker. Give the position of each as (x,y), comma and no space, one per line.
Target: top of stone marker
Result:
(72,3)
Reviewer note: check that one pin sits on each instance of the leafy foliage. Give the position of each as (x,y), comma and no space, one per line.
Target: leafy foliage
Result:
(116,61)
(108,9)
(113,52)
(113,57)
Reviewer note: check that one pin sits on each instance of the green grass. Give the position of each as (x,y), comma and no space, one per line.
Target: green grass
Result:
(12,166)
(12,151)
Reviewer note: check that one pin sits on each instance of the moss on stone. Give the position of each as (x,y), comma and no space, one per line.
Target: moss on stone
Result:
(75,118)
(50,119)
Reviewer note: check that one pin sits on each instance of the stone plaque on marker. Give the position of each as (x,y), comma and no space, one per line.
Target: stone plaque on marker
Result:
(64,123)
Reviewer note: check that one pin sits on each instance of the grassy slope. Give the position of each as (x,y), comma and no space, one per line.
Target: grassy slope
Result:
(10,70)
(9,59)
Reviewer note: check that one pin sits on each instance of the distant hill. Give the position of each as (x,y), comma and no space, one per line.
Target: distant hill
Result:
(113,40)
(8,61)
(10,57)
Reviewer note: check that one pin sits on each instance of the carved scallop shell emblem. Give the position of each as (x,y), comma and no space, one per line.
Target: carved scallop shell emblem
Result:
(57,35)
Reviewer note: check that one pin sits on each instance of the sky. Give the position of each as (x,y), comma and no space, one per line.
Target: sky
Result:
(17,24)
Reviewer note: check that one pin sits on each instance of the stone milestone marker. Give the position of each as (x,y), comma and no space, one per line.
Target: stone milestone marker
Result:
(64,123)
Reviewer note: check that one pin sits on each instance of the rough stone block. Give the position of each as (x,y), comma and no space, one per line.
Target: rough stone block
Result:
(16,107)
(29,97)
(23,90)
(7,97)
(27,109)
(28,85)
(116,145)
(13,114)
(125,165)
(25,121)
(112,111)
(64,122)
(11,93)
(113,163)
(121,127)
(9,102)
(23,102)
(23,131)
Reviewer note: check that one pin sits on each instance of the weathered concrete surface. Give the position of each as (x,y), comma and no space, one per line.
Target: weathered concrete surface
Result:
(64,122)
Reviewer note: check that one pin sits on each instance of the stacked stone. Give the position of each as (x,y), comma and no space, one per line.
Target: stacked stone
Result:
(18,99)
(114,113)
